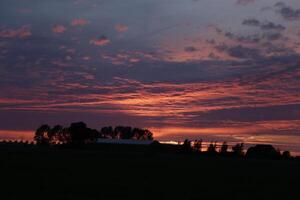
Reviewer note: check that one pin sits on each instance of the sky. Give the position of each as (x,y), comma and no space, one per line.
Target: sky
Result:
(217,70)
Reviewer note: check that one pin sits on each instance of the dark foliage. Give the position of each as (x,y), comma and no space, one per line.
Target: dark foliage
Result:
(79,133)
(198,145)
(263,151)
(212,149)
(224,148)
(238,149)
(186,146)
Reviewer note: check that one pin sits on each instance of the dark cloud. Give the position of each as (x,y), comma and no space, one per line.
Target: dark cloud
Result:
(271,48)
(251,22)
(190,49)
(287,12)
(271,36)
(255,38)
(240,51)
(245,2)
(263,25)
(272,26)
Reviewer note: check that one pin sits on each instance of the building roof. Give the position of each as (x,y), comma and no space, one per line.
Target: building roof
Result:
(125,141)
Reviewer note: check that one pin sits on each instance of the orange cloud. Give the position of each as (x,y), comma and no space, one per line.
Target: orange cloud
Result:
(79,22)
(245,131)
(22,32)
(102,41)
(121,28)
(172,100)
(58,29)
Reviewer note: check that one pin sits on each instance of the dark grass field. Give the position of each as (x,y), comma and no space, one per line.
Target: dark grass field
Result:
(31,173)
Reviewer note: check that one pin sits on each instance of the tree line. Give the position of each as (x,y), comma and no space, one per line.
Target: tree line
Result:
(237,150)
(79,133)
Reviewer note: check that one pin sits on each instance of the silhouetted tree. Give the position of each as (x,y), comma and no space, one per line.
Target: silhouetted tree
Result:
(92,135)
(124,132)
(107,132)
(142,134)
(41,136)
(64,136)
(238,149)
(78,133)
(148,135)
(286,155)
(54,134)
(186,146)
(198,145)
(224,148)
(263,151)
(212,148)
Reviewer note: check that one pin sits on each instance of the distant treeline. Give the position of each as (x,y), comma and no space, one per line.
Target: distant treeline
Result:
(79,133)
(238,150)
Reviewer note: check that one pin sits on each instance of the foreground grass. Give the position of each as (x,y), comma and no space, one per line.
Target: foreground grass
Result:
(79,174)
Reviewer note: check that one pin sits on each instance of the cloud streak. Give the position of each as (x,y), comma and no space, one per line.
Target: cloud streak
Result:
(22,32)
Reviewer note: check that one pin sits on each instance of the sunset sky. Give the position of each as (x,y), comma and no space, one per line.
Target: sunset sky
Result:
(220,70)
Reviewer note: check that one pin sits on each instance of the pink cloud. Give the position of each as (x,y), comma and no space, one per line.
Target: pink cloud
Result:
(22,32)
(121,28)
(102,41)
(58,29)
(79,22)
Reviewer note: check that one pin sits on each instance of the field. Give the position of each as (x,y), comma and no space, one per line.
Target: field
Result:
(31,173)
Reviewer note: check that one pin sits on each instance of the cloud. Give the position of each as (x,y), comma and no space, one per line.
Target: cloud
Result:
(287,12)
(251,22)
(245,2)
(190,49)
(240,51)
(22,32)
(102,41)
(58,29)
(79,22)
(267,26)
(272,36)
(121,28)
(272,26)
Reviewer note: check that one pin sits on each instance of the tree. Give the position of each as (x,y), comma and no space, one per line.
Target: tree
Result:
(186,146)
(198,145)
(92,135)
(212,148)
(147,135)
(41,136)
(78,132)
(238,149)
(124,132)
(224,148)
(142,134)
(264,151)
(107,132)
(286,155)
(54,134)
(64,136)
